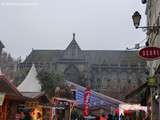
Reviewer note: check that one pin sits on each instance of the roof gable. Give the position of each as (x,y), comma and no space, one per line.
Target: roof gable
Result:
(73,44)
(73,50)
(7,87)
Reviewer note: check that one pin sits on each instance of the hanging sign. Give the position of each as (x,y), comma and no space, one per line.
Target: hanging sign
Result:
(86,107)
(150,53)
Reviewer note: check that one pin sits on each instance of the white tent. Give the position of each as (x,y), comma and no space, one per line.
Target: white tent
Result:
(30,83)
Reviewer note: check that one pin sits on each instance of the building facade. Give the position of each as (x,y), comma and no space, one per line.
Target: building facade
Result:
(110,72)
(153,19)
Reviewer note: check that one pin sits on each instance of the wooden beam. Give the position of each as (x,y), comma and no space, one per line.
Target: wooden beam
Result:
(135,91)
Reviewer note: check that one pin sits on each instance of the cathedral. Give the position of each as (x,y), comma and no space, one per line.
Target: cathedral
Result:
(111,72)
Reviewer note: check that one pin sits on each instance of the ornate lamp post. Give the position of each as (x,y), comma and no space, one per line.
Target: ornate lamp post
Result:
(136,21)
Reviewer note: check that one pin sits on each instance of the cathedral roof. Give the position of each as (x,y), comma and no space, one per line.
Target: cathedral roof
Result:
(110,57)
(30,83)
(73,52)
(44,56)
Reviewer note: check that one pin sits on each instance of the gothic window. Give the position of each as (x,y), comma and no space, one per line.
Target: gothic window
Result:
(72,73)
(98,83)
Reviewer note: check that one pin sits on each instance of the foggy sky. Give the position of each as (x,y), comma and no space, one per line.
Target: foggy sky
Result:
(49,24)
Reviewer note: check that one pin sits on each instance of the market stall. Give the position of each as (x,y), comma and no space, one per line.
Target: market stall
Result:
(30,87)
(63,107)
(10,98)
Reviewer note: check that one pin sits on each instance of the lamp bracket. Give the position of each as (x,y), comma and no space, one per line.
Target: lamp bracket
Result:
(151,29)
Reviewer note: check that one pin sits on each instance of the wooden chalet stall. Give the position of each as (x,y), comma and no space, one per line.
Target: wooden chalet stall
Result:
(63,107)
(10,98)
(37,103)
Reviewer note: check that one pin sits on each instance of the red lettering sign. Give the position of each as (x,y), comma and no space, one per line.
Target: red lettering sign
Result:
(86,109)
(150,53)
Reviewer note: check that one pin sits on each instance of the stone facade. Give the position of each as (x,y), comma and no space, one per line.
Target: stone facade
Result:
(111,72)
(153,19)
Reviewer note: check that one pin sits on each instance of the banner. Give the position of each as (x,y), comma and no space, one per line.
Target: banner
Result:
(86,107)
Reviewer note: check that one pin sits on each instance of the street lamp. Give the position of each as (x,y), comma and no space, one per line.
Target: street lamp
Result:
(136,21)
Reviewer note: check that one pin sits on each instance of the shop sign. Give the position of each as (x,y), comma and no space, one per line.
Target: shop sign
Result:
(2,96)
(152,81)
(87,95)
(150,53)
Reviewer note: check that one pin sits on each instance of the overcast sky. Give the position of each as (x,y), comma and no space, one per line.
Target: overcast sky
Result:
(49,24)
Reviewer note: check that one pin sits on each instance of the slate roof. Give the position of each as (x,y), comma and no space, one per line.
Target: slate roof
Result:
(44,56)
(112,57)
(91,56)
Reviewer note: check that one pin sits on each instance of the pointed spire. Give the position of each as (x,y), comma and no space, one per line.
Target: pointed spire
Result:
(74,36)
